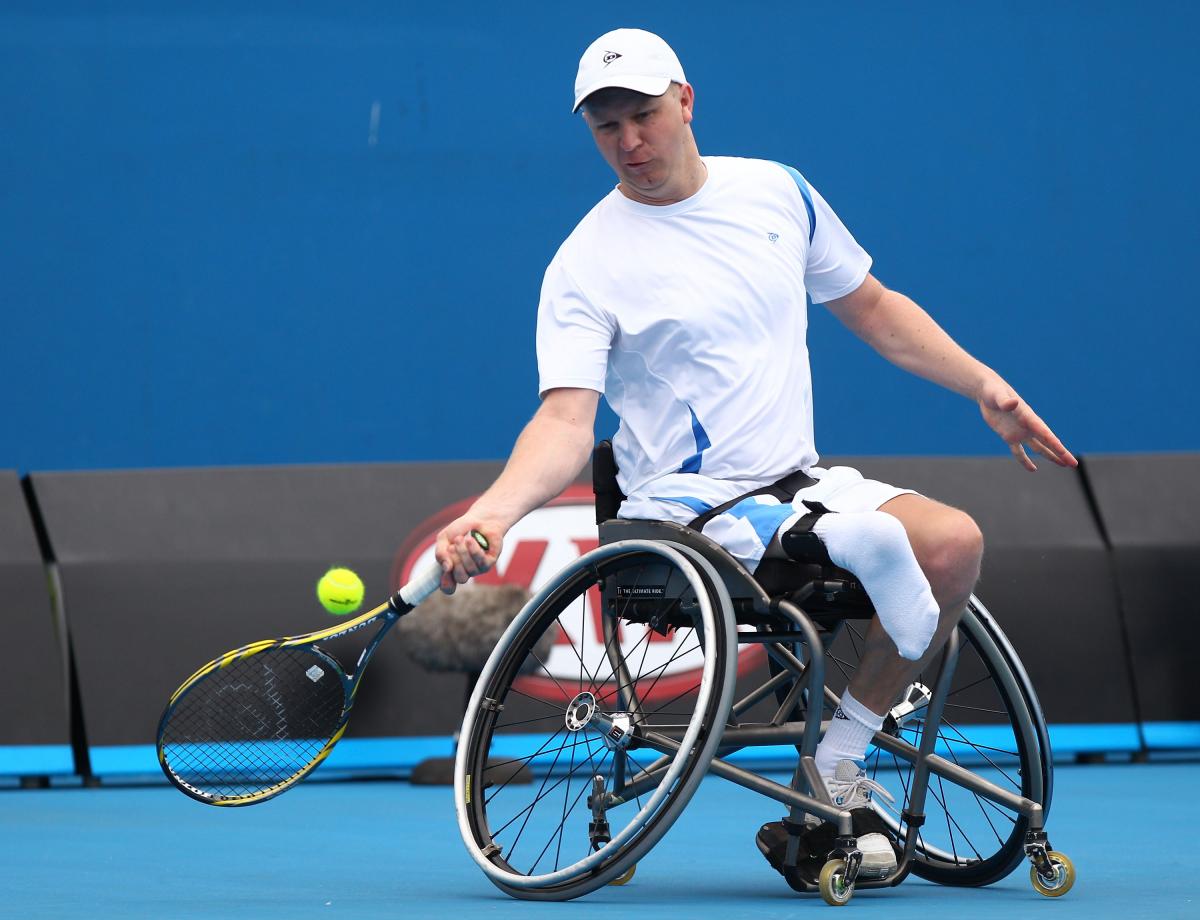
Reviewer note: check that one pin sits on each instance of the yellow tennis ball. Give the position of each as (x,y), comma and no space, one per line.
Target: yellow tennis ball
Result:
(340,591)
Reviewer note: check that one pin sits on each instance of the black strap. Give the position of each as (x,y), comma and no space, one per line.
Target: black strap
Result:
(784,490)
(800,543)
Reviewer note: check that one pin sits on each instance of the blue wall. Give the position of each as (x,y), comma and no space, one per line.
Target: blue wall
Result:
(211,253)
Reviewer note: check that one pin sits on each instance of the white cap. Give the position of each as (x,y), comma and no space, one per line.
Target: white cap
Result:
(630,58)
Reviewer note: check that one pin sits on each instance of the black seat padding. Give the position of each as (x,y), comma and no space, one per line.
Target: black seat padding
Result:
(751,594)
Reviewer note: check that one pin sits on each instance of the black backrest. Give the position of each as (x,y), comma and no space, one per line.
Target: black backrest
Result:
(604,482)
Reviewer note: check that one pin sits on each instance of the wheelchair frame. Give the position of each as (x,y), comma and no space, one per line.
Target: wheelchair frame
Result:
(796,620)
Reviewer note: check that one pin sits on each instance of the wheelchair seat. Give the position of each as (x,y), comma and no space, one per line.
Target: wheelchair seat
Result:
(826,593)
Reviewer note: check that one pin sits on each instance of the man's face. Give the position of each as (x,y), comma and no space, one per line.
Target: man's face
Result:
(645,139)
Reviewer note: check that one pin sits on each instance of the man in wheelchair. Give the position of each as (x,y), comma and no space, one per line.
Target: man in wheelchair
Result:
(681,297)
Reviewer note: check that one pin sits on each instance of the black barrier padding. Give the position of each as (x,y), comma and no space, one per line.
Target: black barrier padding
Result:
(164,569)
(1149,506)
(1046,575)
(33,695)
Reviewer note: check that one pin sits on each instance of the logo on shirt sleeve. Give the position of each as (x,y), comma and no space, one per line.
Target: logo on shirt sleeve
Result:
(773,237)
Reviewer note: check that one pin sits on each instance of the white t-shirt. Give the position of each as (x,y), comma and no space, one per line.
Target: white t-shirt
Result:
(691,318)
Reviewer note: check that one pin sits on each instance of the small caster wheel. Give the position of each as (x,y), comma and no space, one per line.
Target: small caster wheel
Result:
(833,885)
(625,876)
(1064,876)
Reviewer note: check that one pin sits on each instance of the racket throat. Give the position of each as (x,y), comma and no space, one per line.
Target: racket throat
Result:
(390,617)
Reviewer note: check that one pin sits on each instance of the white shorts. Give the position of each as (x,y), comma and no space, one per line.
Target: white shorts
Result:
(746,529)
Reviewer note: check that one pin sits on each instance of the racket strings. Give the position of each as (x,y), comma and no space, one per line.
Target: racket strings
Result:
(255,723)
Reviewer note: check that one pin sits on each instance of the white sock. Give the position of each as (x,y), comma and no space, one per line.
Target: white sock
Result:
(850,732)
(874,546)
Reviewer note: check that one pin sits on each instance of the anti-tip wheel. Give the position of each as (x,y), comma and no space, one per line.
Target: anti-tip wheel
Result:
(625,876)
(833,885)
(1064,876)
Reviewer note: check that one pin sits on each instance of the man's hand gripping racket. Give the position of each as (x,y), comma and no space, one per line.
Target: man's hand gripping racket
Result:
(255,721)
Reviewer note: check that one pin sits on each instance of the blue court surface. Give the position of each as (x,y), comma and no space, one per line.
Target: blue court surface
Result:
(389,849)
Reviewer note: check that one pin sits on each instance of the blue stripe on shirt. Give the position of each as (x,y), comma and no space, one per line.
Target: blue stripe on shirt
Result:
(692,463)
(807,196)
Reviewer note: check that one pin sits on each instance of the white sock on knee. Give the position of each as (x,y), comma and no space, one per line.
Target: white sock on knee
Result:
(850,732)
(874,546)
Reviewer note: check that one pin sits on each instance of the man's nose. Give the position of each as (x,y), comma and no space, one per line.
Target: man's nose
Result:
(629,138)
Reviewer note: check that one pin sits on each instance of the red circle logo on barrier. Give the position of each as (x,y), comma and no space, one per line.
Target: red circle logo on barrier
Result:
(535,550)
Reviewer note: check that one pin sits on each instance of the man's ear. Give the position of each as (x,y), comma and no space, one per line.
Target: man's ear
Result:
(687,100)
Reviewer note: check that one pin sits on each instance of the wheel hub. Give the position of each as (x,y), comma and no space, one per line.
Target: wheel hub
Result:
(615,728)
(580,711)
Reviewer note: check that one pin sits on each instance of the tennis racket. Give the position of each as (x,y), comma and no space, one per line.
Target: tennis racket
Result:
(258,719)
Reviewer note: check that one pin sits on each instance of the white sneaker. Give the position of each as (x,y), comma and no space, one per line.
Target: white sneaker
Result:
(851,789)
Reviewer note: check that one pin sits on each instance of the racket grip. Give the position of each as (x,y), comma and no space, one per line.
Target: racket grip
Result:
(424,583)
(418,588)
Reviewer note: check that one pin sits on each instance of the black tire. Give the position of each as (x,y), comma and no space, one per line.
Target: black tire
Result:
(534,842)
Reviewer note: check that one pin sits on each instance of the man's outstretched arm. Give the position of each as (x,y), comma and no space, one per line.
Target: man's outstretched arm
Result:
(549,454)
(906,335)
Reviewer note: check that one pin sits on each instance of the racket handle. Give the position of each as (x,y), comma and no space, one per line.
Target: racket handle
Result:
(423,584)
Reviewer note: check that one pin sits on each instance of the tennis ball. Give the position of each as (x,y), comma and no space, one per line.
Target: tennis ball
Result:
(340,591)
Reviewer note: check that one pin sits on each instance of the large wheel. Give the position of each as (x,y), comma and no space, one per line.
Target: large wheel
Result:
(613,686)
(992,724)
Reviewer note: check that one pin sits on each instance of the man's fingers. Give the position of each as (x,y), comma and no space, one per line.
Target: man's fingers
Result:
(1045,442)
(471,555)
(1054,449)
(1042,449)
(1066,459)
(461,575)
(1062,456)
(478,553)
(442,552)
(1018,451)
(462,558)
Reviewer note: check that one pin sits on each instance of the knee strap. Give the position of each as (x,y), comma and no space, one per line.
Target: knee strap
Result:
(800,543)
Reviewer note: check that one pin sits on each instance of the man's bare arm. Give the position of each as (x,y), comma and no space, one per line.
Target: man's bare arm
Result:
(551,450)
(906,335)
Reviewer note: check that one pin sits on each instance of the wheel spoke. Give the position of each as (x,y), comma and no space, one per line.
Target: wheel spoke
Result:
(996,712)
(528,809)
(526,760)
(979,800)
(950,819)
(661,669)
(567,697)
(557,707)
(553,716)
(562,824)
(962,739)
(660,710)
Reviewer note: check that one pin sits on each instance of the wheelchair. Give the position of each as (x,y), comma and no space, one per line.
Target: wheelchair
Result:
(638,670)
